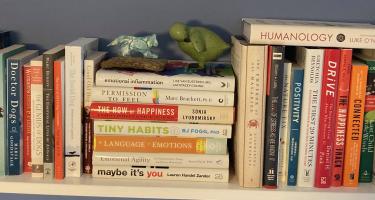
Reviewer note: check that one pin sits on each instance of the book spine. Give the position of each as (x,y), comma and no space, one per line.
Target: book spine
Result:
(161,160)
(295,124)
(59,119)
(87,143)
(48,147)
(14,74)
(155,112)
(73,110)
(27,119)
(310,116)
(355,125)
(161,96)
(298,35)
(37,121)
(146,144)
(133,128)
(341,115)
(273,110)
(145,173)
(367,149)
(284,126)
(327,118)
(150,80)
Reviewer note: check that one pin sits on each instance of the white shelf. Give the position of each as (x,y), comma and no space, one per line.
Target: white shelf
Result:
(87,186)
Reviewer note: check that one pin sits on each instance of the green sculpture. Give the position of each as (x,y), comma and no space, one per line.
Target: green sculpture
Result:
(200,43)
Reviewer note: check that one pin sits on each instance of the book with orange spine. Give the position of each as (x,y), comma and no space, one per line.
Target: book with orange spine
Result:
(142,144)
(59,118)
(26,118)
(355,120)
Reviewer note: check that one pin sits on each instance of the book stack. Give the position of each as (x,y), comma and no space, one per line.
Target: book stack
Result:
(171,125)
(315,92)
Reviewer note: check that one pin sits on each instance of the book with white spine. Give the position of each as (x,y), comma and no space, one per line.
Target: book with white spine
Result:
(75,53)
(284,127)
(312,61)
(91,65)
(162,96)
(37,163)
(161,159)
(154,173)
(119,127)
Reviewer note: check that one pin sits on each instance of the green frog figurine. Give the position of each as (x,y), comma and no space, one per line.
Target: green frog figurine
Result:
(200,43)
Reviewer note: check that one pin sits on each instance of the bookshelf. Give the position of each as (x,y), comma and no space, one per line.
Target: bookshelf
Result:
(68,19)
(86,186)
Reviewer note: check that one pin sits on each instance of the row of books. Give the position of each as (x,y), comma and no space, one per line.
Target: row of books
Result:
(170,125)
(304,122)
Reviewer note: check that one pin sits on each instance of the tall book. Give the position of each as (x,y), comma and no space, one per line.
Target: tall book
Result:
(275,75)
(312,61)
(4,55)
(4,39)
(37,117)
(341,115)
(250,67)
(367,149)
(327,120)
(309,33)
(48,152)
(355,123)
(58,123)
(295,123)
(91,65)
(178,75)
(75,53)
(14,109)
(26,135)
(284,126)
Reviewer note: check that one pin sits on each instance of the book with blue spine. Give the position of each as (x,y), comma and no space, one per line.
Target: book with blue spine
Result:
(295,123)
(4,55)
(14,108)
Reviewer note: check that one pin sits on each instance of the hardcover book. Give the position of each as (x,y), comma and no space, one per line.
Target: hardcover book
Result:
(14,109)
(147,144)
(295,123)
(161,96)
(37,164)
(309,33)
(179,75)
(165,113)
(355,121)
(250,67)
(48,75)
(284,126)
(58,123)
(312,61)
(161,160)
(367,149)
(4,55)
(341,116)
(163,173)
(327,120)
(273,112)
(75,53)
(26,135)
(134,128)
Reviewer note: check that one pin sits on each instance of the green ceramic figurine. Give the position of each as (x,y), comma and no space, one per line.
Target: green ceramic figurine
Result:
(200,43)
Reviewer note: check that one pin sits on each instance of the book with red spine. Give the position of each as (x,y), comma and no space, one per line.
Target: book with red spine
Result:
(166,113)
(327,118)
(341,115)
(59,135)
(27,118)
